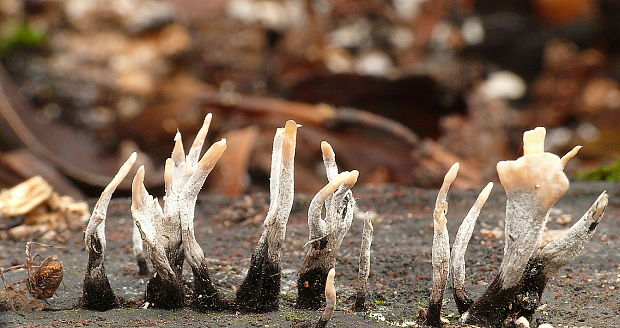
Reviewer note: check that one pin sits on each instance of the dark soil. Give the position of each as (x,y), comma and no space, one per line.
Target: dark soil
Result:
(584,293)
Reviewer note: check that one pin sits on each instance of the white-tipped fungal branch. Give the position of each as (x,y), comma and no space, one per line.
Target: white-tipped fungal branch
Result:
(533,183)
(260,290)
(364,264)
(440,252)
(462,299)
(205,296)
(553,256)
(169,232)
(330,299)
(565,248)
(96,291)
(326,234)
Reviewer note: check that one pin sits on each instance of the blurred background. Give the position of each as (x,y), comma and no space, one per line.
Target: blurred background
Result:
(400,88)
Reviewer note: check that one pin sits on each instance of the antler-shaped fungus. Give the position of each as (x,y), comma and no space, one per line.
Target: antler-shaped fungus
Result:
(533,183)
(169,232)
(463,235)
(96,291)
(260,289)
(325,234)
(442,261)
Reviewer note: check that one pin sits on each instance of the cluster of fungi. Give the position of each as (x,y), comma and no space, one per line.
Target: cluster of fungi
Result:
(168,233)
(533,183)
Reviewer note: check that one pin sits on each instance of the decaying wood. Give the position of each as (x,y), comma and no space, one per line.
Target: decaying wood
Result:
(75,153)
(23,163)
(231,176)
(97,294)
(326,234)
(24,197)
(259,291)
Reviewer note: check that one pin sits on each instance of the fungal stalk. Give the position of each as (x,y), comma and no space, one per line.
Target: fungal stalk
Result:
(364,264)
(444,261)
(97,294)
(440,253)
(168,231)
(330,300)
(462,299)
(533,183)
(205,296)
(138,251)
(326,234)
(259,292)
(552,257)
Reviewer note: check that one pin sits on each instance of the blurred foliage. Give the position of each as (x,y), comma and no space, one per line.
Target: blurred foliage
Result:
(17,35)
(609,172)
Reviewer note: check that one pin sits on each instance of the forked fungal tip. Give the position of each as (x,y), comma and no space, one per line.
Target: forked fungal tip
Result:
(487,189)
(132,157)
(484,194)
(534,141)
(290,127)
(451,175)
(352,179)
(572,153)
(137,186)
(140,172)
(326,148)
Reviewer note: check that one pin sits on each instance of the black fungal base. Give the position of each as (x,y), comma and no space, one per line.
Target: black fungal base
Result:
(164,294)
(433,316)
(462,300)
(492,308)
(311,289)
(260,290)
(321,324)
(97,294)
(142,266)
(360,302)
(500,307)
(206,297)
(528,298)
